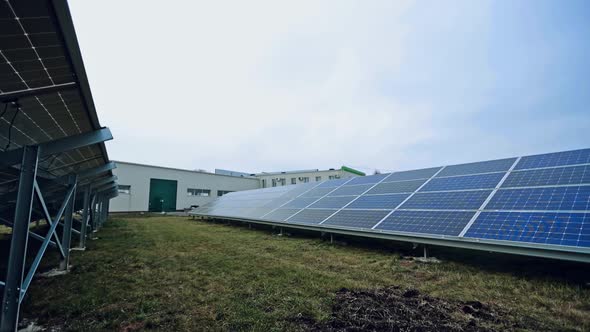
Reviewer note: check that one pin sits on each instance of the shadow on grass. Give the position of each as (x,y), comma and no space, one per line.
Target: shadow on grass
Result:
(532,268)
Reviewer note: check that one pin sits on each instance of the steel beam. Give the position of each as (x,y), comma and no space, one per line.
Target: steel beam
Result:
(97,170)
(18,244)
(106,187)
(13,157)
(45,243)
(98,183)
(15,95)
(85,217)
(67,227)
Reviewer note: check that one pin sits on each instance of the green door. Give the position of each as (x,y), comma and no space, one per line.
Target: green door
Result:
(162,195)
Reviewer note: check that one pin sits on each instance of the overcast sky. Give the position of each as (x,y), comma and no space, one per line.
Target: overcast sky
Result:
(282,85)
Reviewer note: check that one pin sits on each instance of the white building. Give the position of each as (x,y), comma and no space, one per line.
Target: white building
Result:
(155,188)
(276,179)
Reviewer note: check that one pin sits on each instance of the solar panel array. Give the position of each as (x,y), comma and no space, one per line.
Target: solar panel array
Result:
(533,200)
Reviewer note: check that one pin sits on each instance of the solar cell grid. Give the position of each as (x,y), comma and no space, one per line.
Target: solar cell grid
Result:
(389,201)
(545,198)
(356,218)
(367,179)
(335,202)
(478,167)
(332,183)
(555,159)
(315,216)
(396,187)
(566,229)
(413,174)
(480,181)
(281,214)
(427,222)
(453,200)
(300,202)
(549,176)
(351,190)
(317,192)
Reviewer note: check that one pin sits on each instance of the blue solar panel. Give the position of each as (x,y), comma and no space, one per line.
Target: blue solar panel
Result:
(315,216)
(575,157)
(478,167)
(317,192)
(453,200)
(389,201)
(332,183)
(412,175)
(396,187)
(367,179)
(351,190)
(281,214)
(481,181)
(356,218)
(333,202)
(549,176)
(428,222)
(547,198)
(300,202)
(566,229)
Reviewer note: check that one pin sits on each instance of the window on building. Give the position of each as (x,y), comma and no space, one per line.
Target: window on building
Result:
(223,192)
(304,179)
(274,182)
(198,192)
(283,181)
(333,177)
(293,180)
(318,178)
(124,189)
(263,183)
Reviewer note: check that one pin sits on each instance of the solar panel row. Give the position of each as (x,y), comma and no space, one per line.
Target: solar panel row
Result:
(542,199)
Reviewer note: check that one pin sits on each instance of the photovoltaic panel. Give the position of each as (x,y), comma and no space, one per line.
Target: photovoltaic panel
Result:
(543,198)
(300,202)
(478,167)
(332,183)
(356,218)
(412,175)
(314,216)
(549,176)
(389,201)
(452,200)
(281,214)
(335,202)
(396,187)
(367,179)
(565,229)
(555,159)
(351,190)
(480,181)
(427,222)
(317,192)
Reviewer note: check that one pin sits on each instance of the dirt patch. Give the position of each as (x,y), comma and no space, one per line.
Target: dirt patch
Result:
(397,309)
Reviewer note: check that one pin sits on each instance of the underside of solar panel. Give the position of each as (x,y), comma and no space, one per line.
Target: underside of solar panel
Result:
(534,205)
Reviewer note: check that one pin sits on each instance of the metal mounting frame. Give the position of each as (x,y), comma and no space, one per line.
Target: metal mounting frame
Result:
(96,193)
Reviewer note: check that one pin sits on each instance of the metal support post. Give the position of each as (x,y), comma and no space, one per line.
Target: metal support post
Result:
(67,228)
(85,217)
(425,252)
(18,244)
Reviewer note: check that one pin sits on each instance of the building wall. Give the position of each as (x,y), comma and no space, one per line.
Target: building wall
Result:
(138,177)
(266,179)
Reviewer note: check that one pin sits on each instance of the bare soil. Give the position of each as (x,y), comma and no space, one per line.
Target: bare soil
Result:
(397,309)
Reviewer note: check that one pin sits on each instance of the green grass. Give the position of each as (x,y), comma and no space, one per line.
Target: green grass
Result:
(170,273)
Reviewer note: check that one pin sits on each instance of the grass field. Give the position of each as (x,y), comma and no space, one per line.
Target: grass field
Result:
(171,273)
